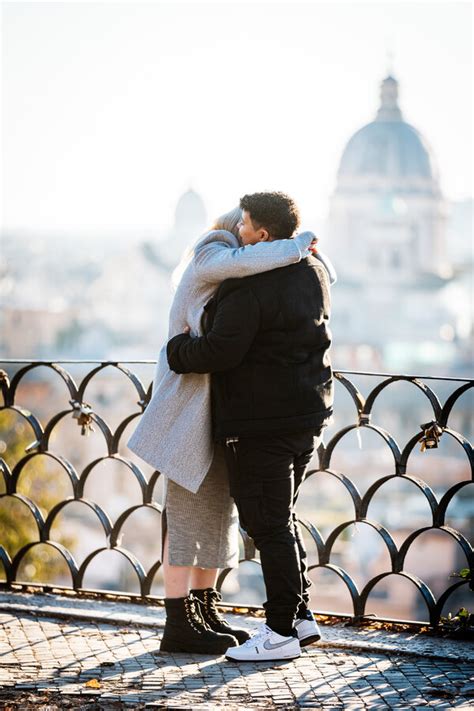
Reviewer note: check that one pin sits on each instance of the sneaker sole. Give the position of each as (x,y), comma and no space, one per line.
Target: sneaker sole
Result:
(185,649)
(262,658)
(311,639)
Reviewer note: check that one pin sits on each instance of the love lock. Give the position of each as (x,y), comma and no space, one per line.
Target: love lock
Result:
(83,414)
(431,435)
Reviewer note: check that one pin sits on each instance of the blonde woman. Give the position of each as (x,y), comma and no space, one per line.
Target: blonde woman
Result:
(200,523)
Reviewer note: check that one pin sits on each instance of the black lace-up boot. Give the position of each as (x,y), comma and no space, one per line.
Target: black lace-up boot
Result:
(186,631)
(208,601)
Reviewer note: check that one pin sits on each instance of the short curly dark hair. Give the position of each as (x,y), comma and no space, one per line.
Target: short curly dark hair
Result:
(276,212)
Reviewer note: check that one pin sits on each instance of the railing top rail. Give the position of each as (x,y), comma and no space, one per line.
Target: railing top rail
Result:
(406,375)
(60,360)
(411,376)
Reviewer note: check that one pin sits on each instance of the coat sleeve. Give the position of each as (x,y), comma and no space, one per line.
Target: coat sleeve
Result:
(235,325)
(217,261)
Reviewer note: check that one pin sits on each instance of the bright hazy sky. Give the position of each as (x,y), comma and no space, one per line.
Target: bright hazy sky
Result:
(112,110)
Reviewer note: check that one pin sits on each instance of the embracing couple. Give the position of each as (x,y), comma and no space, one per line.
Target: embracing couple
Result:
(241,394)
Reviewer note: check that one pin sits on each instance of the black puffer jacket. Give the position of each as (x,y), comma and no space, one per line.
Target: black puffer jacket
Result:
(266,343)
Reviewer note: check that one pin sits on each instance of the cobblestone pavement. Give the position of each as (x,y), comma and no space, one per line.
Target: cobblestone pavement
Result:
(51,663)
(126,612)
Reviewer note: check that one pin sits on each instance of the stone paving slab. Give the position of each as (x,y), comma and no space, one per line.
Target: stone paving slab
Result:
(147,615)
(51,663)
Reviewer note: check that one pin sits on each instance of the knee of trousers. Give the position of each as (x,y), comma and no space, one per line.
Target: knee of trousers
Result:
(274,535)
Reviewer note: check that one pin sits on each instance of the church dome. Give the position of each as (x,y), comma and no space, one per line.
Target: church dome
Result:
(190,211)
(388,149)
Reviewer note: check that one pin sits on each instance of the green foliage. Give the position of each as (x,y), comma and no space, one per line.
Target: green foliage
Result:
(463,573)
(460,625)
(42,483)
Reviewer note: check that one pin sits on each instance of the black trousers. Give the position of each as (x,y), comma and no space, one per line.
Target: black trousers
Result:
(265,477)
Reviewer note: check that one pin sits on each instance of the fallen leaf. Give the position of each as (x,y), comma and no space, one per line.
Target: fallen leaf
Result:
(92,684)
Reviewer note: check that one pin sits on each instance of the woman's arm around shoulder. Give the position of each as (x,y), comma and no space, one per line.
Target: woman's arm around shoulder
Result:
(219,257)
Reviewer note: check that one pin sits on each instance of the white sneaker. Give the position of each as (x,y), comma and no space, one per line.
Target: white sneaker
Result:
(265,645)
(308,631)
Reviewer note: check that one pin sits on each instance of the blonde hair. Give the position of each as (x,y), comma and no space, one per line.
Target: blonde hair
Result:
(229,221)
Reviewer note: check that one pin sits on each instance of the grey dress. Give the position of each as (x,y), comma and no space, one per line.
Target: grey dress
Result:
(174,433)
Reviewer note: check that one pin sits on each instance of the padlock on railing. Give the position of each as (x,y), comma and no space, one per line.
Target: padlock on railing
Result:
(431,435)
(83,414)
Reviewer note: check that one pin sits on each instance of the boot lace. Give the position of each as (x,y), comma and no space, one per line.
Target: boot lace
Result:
(193,616)
(211,598)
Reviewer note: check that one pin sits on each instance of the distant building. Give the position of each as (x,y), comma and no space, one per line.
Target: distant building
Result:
(190,221)
(460,243)
(34,332)
(138,279)
(387,225)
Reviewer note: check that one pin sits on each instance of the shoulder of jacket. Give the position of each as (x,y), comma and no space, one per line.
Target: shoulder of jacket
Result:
(317,266)
(243,284)
(310,263)
(261,280)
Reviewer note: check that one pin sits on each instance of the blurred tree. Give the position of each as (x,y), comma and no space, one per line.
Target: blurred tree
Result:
(39,481)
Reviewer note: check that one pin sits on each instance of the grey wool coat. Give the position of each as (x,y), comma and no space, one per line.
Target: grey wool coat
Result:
(174,433)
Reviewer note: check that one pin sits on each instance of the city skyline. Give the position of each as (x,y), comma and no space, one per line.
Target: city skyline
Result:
(150,105)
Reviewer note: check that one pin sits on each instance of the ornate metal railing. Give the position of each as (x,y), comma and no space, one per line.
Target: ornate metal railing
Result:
(427,437)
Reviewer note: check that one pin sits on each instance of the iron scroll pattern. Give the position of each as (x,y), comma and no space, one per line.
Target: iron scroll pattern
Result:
(85,415)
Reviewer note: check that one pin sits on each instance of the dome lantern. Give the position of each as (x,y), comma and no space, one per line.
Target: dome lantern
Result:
(389,109)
